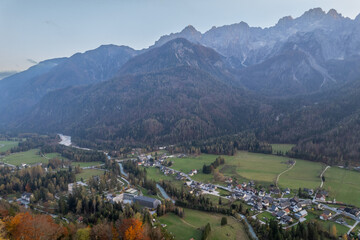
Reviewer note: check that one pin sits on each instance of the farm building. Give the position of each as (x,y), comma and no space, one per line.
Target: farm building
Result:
(147,201)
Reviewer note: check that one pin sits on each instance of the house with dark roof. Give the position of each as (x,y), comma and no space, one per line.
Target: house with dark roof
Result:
(27,196)
(285,204)
(287,190)
(280,214)
(301,214)
(274,208)
(147,201)
(287,219)
(295,199)
(309,191)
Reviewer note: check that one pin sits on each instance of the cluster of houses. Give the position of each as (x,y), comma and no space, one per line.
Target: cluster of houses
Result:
(198,186)
(285,209)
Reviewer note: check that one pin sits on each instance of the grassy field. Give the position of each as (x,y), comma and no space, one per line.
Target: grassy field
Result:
(54,155)
(340,229)
(303,174)
(281,147)
(156,175)
(29,157)
(264,168)
(7,145)
(88,173)
(186,164)
(343,185)
(356,230)
(348,220)
(146,193)
(259,167)
(86,164)
(265,216)
(190,225)
(243,166)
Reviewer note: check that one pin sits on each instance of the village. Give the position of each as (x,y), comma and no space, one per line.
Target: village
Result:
(280,204)
(286,206)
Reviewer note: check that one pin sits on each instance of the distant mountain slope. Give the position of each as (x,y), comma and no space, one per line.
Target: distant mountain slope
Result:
(326,126)
(181,52)
(22,91)
(180,101)
(6,74)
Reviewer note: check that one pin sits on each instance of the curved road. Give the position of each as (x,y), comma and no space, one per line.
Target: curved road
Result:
(321,175)
(277,178)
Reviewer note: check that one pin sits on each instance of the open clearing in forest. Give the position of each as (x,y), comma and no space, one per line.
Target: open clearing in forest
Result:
(88,173)
(7,145)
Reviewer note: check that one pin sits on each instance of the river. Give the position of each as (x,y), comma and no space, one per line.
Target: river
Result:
(251,230)
(65,140)
(163,193)
(122,170)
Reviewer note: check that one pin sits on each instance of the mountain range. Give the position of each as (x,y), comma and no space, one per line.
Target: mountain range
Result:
(297,82)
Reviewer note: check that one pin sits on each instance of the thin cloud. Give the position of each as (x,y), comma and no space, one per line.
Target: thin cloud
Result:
(31,61)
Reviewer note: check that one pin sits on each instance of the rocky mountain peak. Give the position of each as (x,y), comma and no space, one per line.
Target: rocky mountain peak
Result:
(285,20)
(190,29)
(333,13)
(314,13)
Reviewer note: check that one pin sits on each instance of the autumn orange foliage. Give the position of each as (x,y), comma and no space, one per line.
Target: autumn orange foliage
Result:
(26,226)
(132,229)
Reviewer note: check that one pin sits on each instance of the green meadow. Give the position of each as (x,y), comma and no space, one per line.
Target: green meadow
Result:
(29,157)
(190,226)
(86,164)
(303,174)
(343,185)
(88,173)
(7,145)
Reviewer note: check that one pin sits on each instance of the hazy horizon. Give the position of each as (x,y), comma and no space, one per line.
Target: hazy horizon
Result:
(40,30)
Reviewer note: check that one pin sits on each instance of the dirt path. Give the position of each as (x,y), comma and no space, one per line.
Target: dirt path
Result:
(321,175)
(278,176)
(188,223)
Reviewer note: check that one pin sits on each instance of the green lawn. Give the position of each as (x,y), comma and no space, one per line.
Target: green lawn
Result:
(356,230)
(265,216)
(348,220)
(156,175)
(343,185)
(86,164)
(304,174)
(259,167)
(215,200)
(281,147)
(190,225)
(29,157)
(88,173)
(54,155)
(327,225)
(7,145)
(243,166)
(145,193)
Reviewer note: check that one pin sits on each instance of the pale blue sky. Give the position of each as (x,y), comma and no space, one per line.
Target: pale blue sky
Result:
(35,30)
